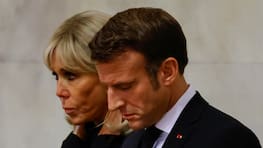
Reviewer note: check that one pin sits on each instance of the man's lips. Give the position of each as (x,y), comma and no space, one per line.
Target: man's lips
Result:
(128,116)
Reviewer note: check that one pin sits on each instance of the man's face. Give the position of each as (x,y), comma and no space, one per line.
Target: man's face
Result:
(130,90)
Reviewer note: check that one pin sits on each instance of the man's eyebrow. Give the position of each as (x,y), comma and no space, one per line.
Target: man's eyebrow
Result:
(119,84)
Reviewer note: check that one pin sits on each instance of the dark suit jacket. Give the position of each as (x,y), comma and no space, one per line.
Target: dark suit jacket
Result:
(202,126)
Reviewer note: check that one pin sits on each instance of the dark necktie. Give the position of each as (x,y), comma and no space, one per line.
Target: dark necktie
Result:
(149,137)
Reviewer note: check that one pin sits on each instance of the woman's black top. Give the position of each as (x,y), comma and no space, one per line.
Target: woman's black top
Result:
(93,140)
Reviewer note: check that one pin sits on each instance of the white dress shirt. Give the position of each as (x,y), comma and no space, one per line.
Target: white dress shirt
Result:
(169,119)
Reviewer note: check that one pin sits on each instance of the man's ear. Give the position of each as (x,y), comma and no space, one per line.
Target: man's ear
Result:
(169,70)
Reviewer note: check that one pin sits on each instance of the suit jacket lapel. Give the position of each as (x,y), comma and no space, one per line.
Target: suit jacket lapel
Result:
(133,140)
(181,130)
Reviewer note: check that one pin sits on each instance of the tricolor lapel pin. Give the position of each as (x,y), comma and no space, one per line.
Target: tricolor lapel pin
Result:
(179,136)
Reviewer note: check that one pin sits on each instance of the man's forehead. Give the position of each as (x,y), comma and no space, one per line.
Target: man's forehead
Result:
(111,73)
(121,68)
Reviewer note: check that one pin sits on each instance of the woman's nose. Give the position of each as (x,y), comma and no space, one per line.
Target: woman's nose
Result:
(62,91)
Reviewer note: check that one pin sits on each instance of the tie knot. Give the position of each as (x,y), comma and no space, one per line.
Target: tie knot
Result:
(153,131)
(150,136)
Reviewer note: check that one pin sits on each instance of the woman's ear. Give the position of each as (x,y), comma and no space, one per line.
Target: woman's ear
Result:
(169,70)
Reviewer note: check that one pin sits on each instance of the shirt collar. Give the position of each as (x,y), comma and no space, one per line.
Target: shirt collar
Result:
(169,119)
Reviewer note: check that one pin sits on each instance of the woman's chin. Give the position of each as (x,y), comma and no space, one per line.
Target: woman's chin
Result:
(74,121)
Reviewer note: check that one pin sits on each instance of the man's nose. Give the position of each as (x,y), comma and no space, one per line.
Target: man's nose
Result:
(115,100)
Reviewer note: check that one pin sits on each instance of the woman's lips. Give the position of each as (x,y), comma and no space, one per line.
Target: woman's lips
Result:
(69,110)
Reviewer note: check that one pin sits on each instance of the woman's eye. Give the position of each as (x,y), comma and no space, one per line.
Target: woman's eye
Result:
(69,75)
(55,75)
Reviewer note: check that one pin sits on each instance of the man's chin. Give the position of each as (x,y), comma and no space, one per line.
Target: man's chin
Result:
(135,125)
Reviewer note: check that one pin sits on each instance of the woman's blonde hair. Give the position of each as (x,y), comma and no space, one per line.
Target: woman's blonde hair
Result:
(71,40)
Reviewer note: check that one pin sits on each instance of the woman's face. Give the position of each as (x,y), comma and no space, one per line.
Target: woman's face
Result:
(82,96)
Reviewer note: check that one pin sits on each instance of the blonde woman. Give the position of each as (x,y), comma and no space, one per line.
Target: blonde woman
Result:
(82,96)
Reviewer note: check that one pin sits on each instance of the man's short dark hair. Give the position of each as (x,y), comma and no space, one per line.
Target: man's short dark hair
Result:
(150,31)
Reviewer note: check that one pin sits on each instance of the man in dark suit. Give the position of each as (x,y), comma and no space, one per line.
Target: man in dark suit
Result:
(140,56)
